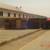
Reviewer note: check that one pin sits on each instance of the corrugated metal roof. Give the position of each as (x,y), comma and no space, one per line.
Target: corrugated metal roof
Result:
(9,7)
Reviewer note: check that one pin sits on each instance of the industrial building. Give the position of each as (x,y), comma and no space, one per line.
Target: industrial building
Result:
(12,17)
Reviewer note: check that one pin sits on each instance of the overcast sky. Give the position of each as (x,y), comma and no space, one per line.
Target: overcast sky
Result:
(41,7)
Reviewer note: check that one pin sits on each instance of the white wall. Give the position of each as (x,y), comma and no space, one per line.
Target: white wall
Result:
(21,15)
(11,14)
(17,15)
(5,14)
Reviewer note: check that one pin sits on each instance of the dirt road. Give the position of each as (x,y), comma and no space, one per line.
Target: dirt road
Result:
(17,44)
(40,43)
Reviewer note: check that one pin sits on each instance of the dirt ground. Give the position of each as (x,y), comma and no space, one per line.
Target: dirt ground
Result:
(40,43)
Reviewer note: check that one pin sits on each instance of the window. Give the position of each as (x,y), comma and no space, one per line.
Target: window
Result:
(1,13)
(8,14)
(14,15)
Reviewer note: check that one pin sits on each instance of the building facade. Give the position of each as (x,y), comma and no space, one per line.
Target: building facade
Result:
(10,14)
